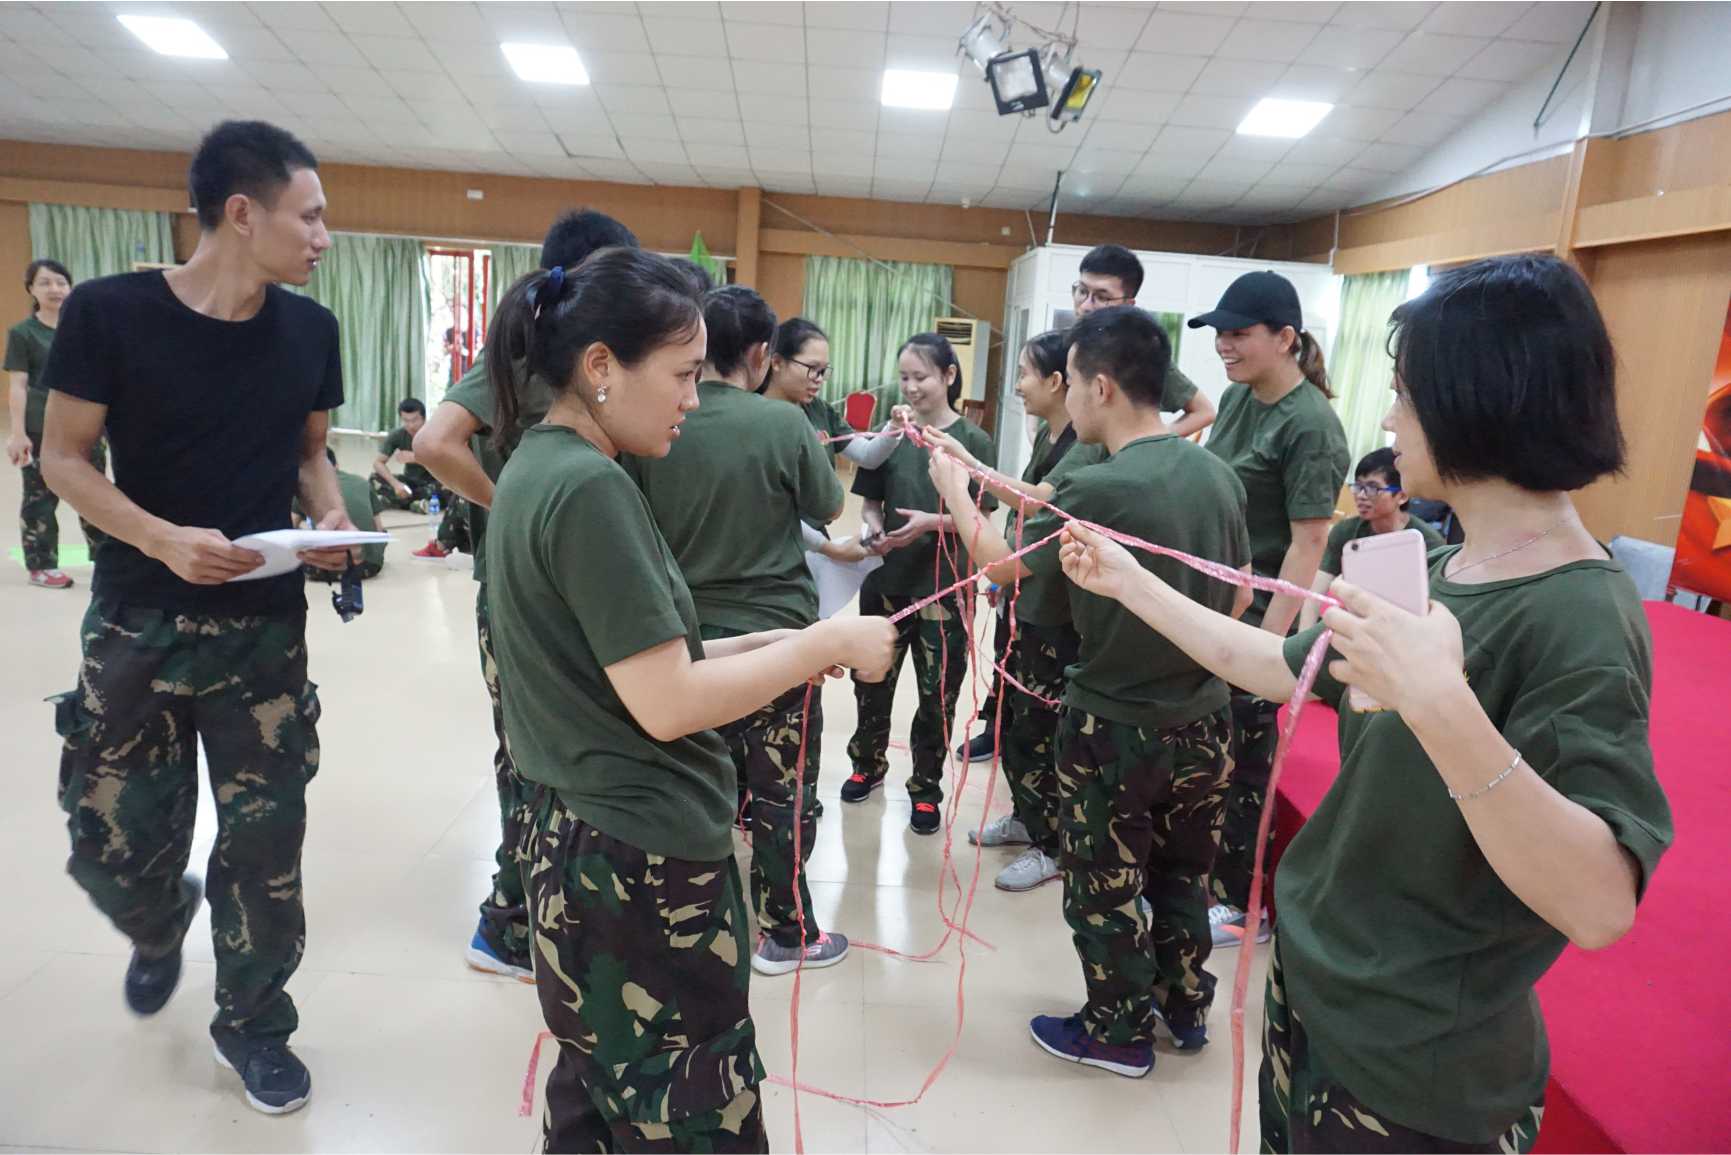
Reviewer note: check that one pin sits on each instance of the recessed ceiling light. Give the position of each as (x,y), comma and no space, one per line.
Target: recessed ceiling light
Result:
(904,88)
(173,36)
(546,63)
(1287,118)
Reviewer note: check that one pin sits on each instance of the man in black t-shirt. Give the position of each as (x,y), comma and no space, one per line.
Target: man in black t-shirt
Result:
(216,388)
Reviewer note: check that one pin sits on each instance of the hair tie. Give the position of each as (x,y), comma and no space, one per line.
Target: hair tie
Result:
(553,285)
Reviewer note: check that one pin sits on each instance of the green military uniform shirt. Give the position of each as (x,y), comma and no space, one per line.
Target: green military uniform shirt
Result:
(829,424)
(1291,457)
(1044,596)
(1176,393)
(1165,490)
(400,440)
(580,580)
(903,481)
(1352,528)
(474,392)
(1411,963)
(729,496)
(27,345)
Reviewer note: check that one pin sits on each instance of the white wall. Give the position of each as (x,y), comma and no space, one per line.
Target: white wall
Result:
(1682,57)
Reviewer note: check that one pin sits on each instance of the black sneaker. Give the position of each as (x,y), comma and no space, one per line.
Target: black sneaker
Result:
(150,982)
(925,818)
(276,1081)
(859,786)
(817,809)
(977,749)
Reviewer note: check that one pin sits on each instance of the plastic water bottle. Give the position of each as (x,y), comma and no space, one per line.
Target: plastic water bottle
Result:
(435,517)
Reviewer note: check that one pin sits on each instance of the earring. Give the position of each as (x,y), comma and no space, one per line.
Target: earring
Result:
(601,395)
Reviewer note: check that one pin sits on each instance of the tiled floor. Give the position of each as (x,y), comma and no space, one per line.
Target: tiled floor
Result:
(410,1050)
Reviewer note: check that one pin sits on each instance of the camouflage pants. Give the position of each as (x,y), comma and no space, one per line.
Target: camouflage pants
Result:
(1037,658)
(505,911)
(642,967)
(1140,815)
(1304,1109)
(154,685)
(765,749)
(453,526)
(1255,733)
(38,513)
(939,641)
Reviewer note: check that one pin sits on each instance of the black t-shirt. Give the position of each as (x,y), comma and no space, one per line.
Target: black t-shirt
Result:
(205,419)
(1055,451)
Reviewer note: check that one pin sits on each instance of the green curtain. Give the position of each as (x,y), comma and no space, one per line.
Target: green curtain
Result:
(1359,367)
(699,255)
(100,242)
(1173,323)
(869,308)
(377,287)
(510,264)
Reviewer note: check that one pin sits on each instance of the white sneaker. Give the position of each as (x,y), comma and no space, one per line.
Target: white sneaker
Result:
(1227,923)
(1005,831)
(1030,869)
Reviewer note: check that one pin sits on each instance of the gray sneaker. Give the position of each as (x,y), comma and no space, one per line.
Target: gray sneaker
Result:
(1005,831)
(771,958)
(1031,868)
(1227,923)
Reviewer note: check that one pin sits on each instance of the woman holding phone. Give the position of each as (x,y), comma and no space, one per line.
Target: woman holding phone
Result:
(1503,803)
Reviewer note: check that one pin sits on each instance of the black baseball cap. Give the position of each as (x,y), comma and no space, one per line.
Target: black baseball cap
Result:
(1262,298)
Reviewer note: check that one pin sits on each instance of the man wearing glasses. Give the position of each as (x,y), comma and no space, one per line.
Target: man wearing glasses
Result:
(1381,505)
(1111,275)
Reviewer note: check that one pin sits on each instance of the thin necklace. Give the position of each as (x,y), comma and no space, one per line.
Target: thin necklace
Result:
(1534,540)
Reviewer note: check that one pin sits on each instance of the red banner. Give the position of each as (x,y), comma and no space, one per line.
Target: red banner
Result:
(1703,562)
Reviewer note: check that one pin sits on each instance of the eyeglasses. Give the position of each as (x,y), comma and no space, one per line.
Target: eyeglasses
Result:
(1367,490)
(1080,292)
(816,372)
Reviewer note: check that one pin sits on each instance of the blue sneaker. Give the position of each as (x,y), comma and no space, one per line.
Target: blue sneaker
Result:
(1184,1038)
(482,957)
(1067,1039)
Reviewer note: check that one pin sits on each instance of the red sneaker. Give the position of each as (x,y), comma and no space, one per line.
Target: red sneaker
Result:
(50,579)
(433,551)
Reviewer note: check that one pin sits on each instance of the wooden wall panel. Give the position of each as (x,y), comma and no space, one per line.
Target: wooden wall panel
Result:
(1692,155)
(1498,196)
(14,256)
(781,280)
(1665,303)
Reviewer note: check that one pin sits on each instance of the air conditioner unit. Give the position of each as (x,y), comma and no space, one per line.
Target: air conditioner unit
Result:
(971,340)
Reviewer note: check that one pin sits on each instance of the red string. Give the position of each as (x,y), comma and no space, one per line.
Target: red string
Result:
(526,1106)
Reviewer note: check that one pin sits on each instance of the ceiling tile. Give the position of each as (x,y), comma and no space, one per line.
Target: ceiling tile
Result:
(765,42)
(1388,156)
(1212,111)
(1282,41)
(317,104)
(1386,89)
(1365,124)
(1115,134)
(254,44)
(1424,128)
(1184,33)
(1428,55)
(664,151)
(1267,149)
(529,143)
(369,19)
(412,86)
(607,68)
(924,53)
(975,125)
(1553,23)
(630,127)
(535,23)
(1189,140)
(1314,82)
(769,76)
(1342,46)
(683,38)
(1137,107)
(377,108)
(590,29)
(1307,11)
(844,114)
(465,58)
(772,108)
(862,84)
(719,154)
(295,16)
(396,52)
(857,14)
(842,46)
(962,172)
(974,150)
(490,89)
(1461,96)
(1514,61)
(285,76)
(1216,192)
(1245,78)
(633,98)
(703,130)
(1472,18)
(763,12)
(1402,15)
(840,140)
(918,147)
(1354,179)
(316,47)
(947,18)
(701,103)
(850,164)
(1106,160)
(1246,171)
(796,137)
(791,183)
(1288,174)
(590,144)
(728,176)
(1332,153)
(913,122)
(444,21)
(1110,25)
(515,116)
(670,174)
(710,73)
(843,186)
(620,171)
(1158,72)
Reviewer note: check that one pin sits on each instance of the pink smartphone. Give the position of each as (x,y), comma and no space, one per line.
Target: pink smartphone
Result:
(1392,566)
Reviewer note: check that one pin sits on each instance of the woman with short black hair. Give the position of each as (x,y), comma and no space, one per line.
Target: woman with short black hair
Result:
(1502,803)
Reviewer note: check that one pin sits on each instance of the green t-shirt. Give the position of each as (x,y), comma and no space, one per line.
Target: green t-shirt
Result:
(1410,961)
(581,579)
(828,423)
(903,482)
(27,345)
(1044,597)
(1291,457)
(474,392)
(1177,391)
(400,440)
(1352,528)
(729,496)
(1168,491)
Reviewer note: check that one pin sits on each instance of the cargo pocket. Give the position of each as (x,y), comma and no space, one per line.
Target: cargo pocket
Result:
(76,727)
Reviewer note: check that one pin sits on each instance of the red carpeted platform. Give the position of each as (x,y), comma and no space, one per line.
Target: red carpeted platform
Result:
(1640,1033)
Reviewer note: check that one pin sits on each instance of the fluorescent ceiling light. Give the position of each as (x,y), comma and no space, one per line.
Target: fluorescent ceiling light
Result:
(908,89)
(546,63)
(173,36)
(1287,118)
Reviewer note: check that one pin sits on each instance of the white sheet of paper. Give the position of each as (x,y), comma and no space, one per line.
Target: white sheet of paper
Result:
(838,582)
(281,547)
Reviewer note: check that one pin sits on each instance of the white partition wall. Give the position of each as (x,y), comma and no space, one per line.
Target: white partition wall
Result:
(1037,298)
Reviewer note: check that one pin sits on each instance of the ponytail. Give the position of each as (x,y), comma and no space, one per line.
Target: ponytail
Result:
(629,300)
(1309,355)
(738,320)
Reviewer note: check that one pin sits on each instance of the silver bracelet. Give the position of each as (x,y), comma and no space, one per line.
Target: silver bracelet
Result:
(1488,786)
